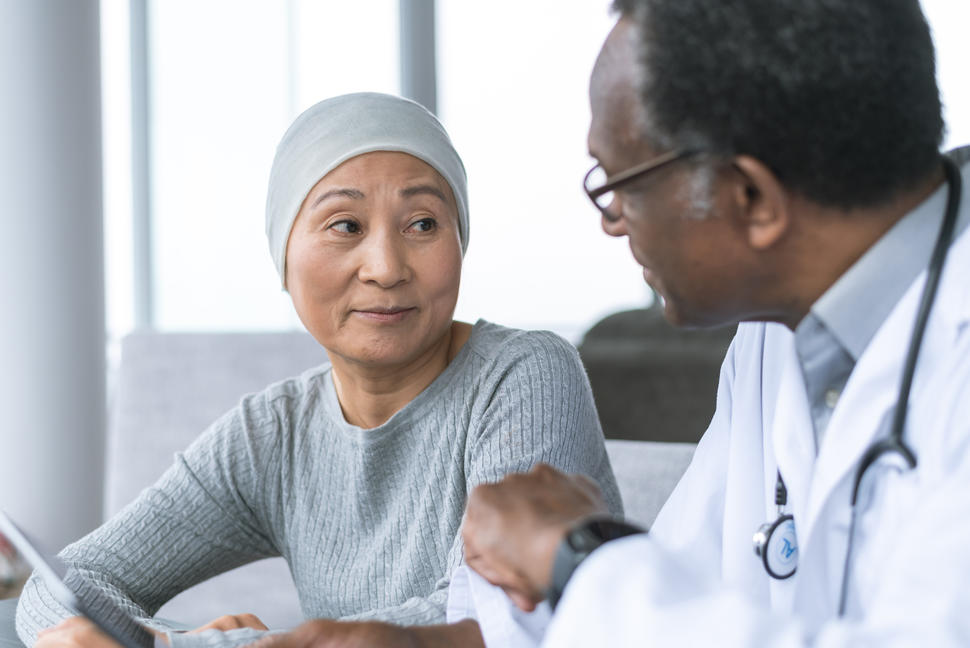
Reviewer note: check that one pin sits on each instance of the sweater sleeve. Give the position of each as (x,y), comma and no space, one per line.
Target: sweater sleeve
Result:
(539,409)
(416,611)
(537,406)
(202,518)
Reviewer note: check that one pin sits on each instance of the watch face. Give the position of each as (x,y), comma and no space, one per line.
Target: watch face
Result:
(587,537)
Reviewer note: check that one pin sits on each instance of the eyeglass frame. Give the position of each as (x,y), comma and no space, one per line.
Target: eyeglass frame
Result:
(629,175)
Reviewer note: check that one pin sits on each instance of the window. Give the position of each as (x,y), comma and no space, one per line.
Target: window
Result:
(227,77)
(513,94)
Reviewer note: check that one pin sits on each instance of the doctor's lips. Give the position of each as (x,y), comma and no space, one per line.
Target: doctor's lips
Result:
(388,314)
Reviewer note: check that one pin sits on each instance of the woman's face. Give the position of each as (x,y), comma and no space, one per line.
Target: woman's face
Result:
(373,261)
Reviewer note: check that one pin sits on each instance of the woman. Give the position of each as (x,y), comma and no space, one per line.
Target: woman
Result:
(357,471)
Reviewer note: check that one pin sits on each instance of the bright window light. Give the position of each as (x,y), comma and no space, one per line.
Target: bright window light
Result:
(227,77)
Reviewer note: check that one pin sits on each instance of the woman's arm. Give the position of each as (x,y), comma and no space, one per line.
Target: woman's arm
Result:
(200,519)
(540,410)
(535,405)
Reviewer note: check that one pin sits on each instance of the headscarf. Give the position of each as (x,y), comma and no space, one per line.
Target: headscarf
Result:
(337,129)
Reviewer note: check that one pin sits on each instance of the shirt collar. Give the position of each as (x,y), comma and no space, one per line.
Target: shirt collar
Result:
(856,305)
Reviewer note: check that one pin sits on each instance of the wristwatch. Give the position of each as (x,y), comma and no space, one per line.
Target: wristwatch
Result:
(581,541)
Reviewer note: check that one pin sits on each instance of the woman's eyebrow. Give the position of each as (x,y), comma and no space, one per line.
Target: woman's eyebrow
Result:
(356,194)
(416,190)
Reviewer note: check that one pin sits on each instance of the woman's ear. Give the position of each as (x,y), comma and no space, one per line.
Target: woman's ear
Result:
(761,202)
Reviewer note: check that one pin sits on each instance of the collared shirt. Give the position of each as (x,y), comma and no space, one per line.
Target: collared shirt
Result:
(838,328)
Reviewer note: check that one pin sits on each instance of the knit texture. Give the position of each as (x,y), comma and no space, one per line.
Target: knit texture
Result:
(368,520)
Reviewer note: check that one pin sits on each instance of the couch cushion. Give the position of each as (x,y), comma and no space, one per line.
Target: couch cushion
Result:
(8,631)
(171,386)
(646,472)
(651,380)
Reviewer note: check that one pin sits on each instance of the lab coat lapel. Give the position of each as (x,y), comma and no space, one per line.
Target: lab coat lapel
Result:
(792,435)
(864,409)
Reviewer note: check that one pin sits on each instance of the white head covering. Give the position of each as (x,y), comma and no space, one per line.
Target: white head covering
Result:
(335,130)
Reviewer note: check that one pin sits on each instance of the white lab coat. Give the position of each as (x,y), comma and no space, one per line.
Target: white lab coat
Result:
(695,579)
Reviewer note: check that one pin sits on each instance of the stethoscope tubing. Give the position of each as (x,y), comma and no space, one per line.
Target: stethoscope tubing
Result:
(895,443)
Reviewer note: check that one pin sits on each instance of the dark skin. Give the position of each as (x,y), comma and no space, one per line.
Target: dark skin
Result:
(319,633)
(512,528)
(752,251)
(322,633)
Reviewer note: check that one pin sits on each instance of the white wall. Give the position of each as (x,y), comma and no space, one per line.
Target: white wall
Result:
(949,20)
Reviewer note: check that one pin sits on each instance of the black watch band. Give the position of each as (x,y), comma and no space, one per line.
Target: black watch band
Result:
(580,542)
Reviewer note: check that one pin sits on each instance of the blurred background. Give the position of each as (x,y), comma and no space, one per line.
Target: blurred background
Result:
(137,137)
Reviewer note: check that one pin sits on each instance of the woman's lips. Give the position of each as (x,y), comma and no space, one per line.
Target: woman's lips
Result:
(385,315)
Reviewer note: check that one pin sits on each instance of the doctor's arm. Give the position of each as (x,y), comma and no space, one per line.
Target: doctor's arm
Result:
(638,591)
(634,592)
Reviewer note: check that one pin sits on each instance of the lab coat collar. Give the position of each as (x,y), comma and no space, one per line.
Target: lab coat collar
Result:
(864,410)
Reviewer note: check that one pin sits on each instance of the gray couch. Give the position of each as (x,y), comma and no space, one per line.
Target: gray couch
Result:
(652,381)
(171,386)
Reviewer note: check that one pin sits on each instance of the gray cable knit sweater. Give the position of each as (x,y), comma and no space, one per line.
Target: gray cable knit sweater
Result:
(368,520)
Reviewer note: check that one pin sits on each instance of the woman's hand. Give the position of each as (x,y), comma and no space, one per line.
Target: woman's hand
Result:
(78,632)
(232,622)
(512,528)
(75,632)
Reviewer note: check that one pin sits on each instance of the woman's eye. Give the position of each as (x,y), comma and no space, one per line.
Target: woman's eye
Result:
(424,225)
(346,227)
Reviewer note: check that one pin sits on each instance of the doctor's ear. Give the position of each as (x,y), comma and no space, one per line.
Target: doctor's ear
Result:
(761,202)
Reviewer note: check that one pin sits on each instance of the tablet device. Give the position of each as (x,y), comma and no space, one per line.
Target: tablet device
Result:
(78,593)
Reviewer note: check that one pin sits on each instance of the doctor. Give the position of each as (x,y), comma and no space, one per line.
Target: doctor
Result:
(776,162)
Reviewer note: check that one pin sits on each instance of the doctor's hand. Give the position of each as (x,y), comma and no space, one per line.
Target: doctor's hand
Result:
(324,633)
(512,528)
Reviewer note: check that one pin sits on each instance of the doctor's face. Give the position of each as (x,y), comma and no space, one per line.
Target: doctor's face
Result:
(373,262)
(672,217)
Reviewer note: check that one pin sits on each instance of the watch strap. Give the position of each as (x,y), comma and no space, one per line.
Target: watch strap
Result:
(582,540)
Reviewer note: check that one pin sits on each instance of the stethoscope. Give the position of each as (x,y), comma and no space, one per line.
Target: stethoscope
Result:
(775,542)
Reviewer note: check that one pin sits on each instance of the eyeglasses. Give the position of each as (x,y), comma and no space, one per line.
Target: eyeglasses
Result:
(601,188)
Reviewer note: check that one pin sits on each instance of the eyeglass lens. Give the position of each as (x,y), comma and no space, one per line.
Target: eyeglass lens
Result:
(597,178)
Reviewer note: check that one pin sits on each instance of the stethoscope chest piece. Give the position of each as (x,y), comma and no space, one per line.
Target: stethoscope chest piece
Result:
(777,546)
(775,542)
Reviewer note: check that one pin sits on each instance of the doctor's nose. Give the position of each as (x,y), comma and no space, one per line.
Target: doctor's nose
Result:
(612,220)
(384,261)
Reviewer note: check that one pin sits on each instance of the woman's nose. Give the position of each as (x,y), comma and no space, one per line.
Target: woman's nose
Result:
(384,260)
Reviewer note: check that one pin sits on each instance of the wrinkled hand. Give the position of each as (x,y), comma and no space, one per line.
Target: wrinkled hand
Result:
(512,528)
(81,632)
(232,622)
(323,633)
(72,633)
